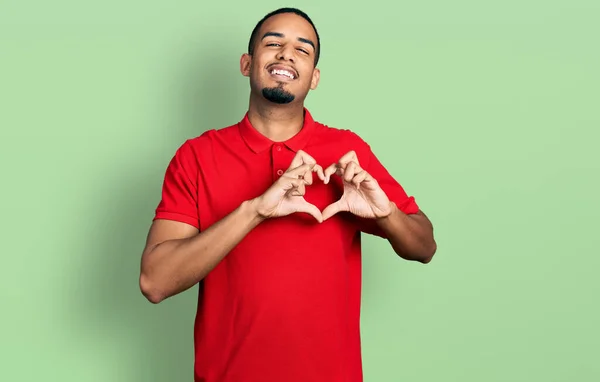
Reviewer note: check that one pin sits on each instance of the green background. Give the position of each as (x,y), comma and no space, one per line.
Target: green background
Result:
(487,112)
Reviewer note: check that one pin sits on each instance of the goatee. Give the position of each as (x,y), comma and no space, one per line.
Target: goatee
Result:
(277,95)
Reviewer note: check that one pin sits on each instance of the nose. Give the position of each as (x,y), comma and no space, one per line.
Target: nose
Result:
(286,53)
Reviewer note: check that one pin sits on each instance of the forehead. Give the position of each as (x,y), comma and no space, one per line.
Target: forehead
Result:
(290,24)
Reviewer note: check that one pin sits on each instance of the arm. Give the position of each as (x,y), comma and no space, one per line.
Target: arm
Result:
(411,235)
(176,256)
(382,207)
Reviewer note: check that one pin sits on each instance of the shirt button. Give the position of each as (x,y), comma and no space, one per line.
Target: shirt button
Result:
(278,148)
(279,172)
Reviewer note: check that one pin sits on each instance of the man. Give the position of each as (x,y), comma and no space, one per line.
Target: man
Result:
(265,215)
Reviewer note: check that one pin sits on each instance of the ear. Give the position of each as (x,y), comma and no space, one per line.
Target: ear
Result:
(245,64)
(316,76)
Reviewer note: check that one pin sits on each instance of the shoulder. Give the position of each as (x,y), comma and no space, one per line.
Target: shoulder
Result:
(210,136)
(204,143)
(342,140)
(332,133)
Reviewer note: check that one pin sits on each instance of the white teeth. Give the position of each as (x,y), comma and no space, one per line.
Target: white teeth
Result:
(283,73)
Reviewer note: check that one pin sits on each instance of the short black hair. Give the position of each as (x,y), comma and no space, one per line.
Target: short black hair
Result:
(279,11)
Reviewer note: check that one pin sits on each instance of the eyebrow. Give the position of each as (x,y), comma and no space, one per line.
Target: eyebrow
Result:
(301,39)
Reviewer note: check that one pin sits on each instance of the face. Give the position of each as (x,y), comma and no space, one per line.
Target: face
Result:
(282,68)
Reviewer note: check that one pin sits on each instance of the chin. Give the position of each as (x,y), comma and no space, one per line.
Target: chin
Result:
(278,94)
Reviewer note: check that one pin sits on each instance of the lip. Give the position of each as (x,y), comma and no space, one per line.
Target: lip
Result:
(270,68)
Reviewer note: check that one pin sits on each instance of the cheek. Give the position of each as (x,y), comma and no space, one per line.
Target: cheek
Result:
(256,72)
(255,64)
(308,77)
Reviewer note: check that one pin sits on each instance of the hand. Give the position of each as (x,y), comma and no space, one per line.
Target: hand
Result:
(362,195)
(286,195)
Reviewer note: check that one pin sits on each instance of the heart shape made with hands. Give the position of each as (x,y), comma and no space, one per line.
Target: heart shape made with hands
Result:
(362,195)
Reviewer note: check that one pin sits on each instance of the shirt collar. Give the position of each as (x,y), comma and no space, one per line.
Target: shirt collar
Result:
(258,142)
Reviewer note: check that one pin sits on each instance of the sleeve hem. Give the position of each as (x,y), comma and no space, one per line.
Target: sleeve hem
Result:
(408,206)
(177,217)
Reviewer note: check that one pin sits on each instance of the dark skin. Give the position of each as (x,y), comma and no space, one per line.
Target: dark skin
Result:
(177,256)
(284,42)
(290,41)
(411,235)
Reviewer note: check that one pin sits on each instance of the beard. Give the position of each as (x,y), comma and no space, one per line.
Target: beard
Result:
(278,95)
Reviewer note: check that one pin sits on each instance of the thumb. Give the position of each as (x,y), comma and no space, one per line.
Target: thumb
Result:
(311,209)
(332,209)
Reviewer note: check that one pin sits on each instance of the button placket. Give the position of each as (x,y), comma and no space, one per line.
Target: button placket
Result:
(278,156)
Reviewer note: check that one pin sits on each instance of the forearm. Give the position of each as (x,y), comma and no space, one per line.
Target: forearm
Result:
(411,236)
(176,265)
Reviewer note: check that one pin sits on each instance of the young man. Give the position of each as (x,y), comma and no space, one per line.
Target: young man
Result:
(266,215)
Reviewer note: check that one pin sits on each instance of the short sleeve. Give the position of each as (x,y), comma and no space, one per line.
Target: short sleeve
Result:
(179,197)
(394,191)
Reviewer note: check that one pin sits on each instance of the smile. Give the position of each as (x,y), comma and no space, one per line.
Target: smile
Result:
(282,73)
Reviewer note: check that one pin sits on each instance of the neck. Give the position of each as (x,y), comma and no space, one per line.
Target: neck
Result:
(276,122)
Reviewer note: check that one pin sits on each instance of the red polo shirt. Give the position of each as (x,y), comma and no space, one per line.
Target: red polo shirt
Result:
(284,304)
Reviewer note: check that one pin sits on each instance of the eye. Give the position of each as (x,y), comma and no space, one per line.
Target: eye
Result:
(303,50)
(273,44)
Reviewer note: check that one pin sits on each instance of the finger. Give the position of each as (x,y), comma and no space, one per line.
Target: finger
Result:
(301,158)
(298,191)
(303,172)
(311,209)
(332,209)
(329,171)
(359,178)
(298,187)
(307,176)
(296,172)
(290,184)
(316,169)
(319,171)
(351,169)
(350,156)
(337,169)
